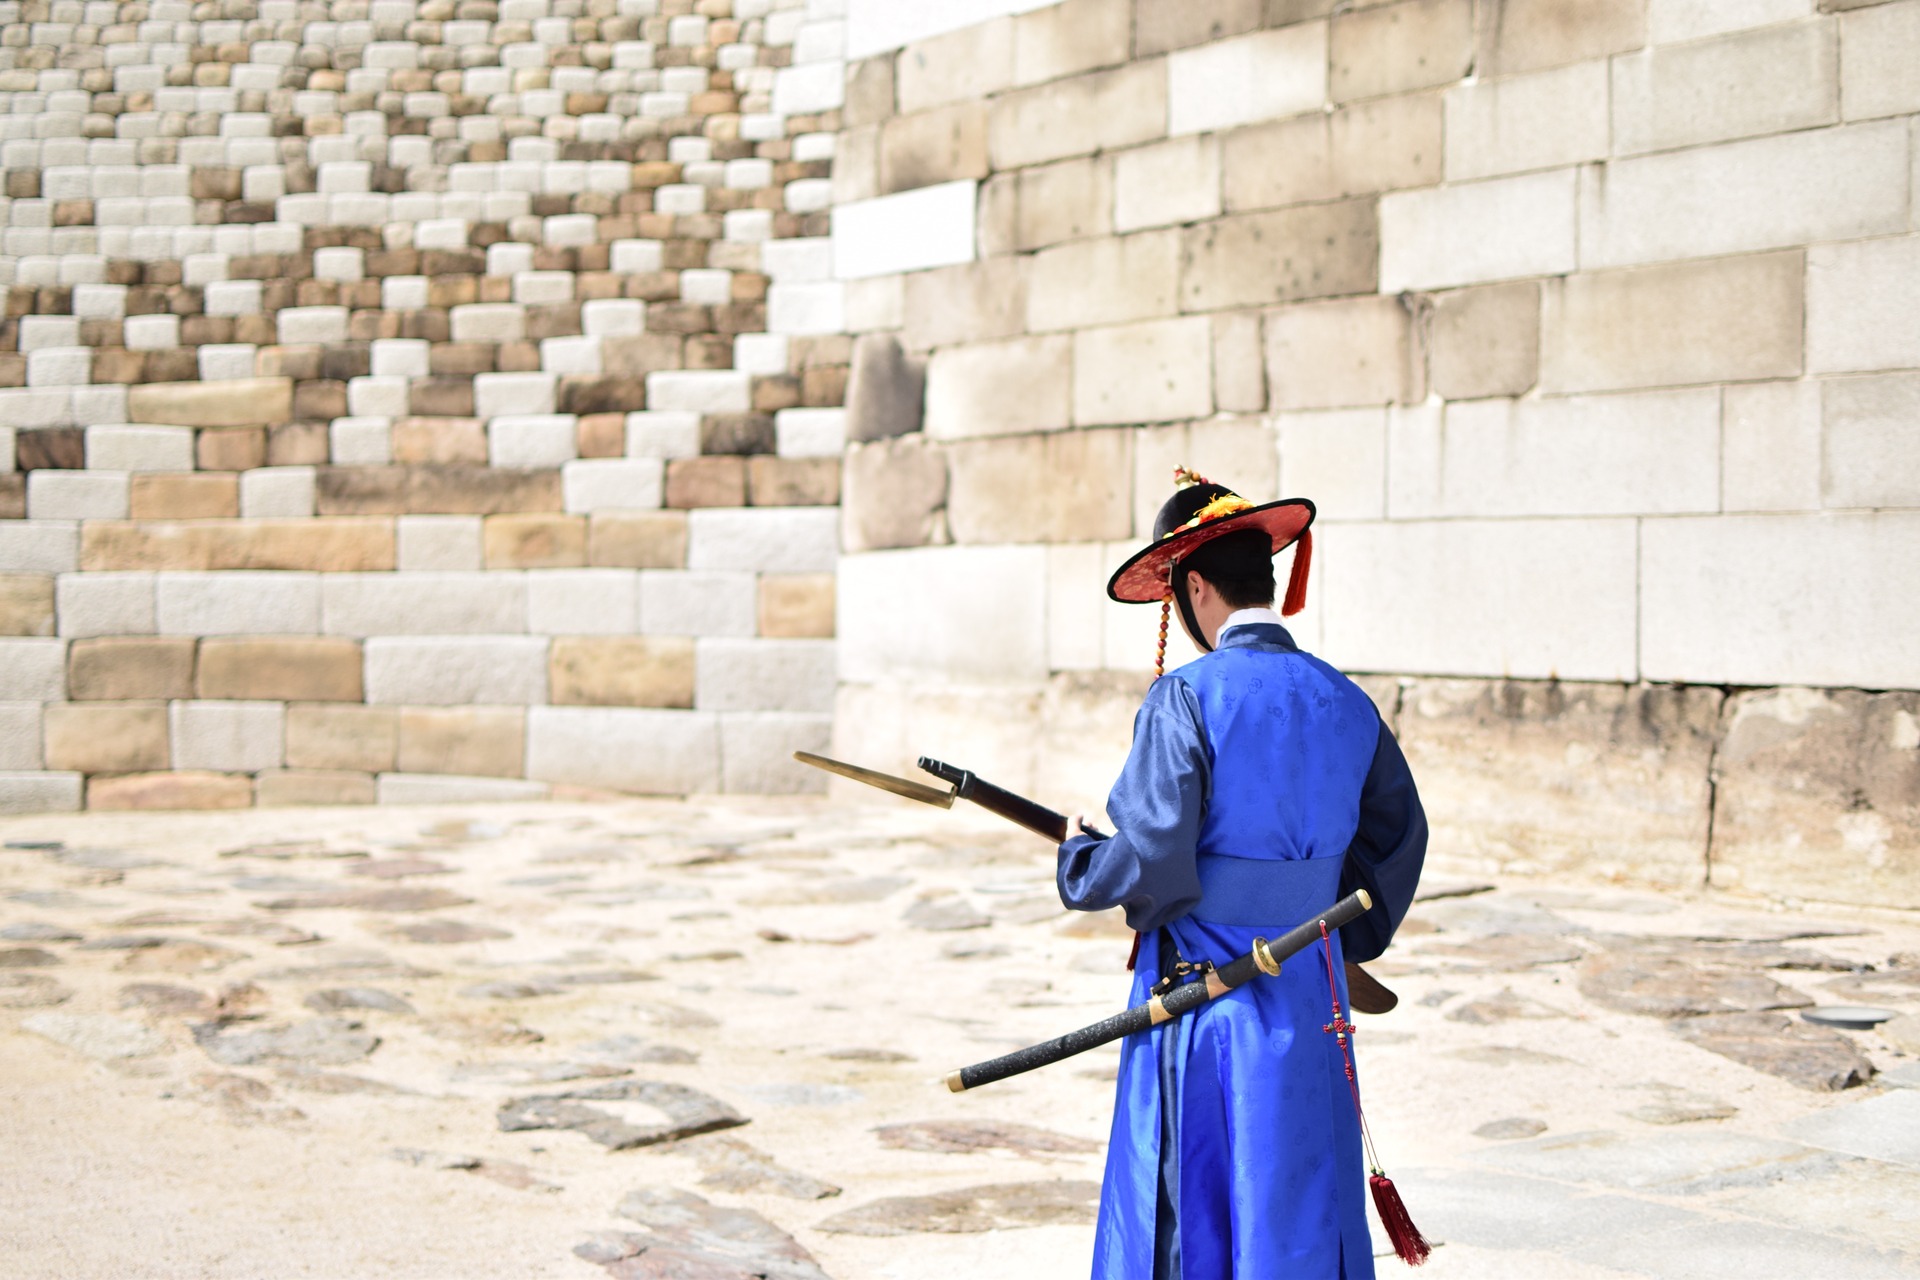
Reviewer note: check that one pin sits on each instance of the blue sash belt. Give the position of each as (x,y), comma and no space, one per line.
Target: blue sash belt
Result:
(1265,893)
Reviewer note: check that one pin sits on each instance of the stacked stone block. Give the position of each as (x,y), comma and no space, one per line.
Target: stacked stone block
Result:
(414,400)
(1586,325)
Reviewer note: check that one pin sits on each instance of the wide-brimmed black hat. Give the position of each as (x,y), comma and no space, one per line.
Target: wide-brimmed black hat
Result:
(1199,512)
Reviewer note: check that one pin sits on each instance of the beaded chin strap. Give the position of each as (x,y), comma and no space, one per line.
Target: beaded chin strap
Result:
(1182,479)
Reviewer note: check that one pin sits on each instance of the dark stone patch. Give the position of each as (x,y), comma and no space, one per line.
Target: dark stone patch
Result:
(308,1080)
(525,1073)
(166,998)
(1674,986)
(689,1239)
(1510,1128)
(126,942)
(996,1207)
(421,899)
(634,1049)
(31,991)
(604,977)
(399,868)
(867,1055)
(56,899)
(1674,1105)
(34,931)
(334,999)
(962,1136)
(443,932)
(102,859)
(1798,1053)
(1506,1006)
(278,933)
(290,850)
(27,958)
(975,949)
(328,1041)
(945,915)
(511,990)
(685,1112)
(728,1164)
(243,1098)
(507,1173)
(346,962)
(838,892)
(1507,952)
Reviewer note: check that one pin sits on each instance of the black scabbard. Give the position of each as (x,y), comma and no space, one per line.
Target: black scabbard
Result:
(1264,958)
(1036,818)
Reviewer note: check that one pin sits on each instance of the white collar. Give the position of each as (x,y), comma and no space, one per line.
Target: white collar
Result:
(1249,618)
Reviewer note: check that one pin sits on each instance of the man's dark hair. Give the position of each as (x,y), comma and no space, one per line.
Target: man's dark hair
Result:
(1239,565)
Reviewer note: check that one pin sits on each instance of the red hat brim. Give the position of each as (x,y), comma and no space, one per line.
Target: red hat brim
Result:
(1145,577)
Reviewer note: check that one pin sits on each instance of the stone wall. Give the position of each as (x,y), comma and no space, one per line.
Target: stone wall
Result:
(414,401)
(1585,324)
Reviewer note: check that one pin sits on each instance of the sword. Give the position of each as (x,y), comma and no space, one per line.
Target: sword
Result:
(1264,958)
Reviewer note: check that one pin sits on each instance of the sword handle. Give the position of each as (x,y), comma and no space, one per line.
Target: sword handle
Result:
(1019,810)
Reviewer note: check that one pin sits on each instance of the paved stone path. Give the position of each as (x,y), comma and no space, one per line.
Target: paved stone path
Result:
(705,1039)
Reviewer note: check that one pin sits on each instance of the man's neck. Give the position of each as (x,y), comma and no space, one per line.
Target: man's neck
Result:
(1260,615)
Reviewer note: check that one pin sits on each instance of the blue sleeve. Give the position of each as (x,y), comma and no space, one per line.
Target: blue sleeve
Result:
(1388,849)
(1147,866)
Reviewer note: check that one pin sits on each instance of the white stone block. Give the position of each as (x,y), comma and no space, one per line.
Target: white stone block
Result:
(760,353)
(804,309)
(810,433)
(756,752)
(139,448)
(876,26)
(235,603)
(440,233)
(366,442)
(377,397)
(1156,371)
(957,614)
(764,675)
(403,293)
(61,366)
(297,325)
(400,358)
(678,602)
(1770,447)
(636,256)
(40,546)
(232,737)
(1517,123)
(412,603)
(764,539)
(440,543)
(1740,196)
(613,317)
(570,355)
(1076,600)
(655,434)
(1683,95)
(499,670)
(277,491)
(1756,600)
(77,495)
(1262,76)
(1870,455)
(1636,453)
(225,361)
(19,739)
(104,604)
(40,792)
(612,484)
(542,288)
(488,322)
(1672,20)
(339,262)
(1167,183)
(1501,229)
(583,602)
(100,301)
(798,261)
(1339,459)
(513,393)
(532,440)
(809,89)
(90,406)
(700,391)
(1000,388)
(1860,306)
(1527,599)
(233,298)
(908,231)
(1878,49)
(33,669)
(39,333)
(36,407)
(638,749)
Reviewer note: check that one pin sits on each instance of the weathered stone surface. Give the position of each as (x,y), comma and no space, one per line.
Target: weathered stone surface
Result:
(684,1112)
(1400,47)
(26,604)
(1096,112)
(894,494)
(27,958)
(962,1136)
(621,671)
(1611,779)
(336,999)
(183,789)
(690,1239)
(1160,26)
(535,541)
(116,738)
(97,1036)
(1051,203)
(299,787)
(1257,259)
(1485,342)
(940,145)
(328,1041)
(486,742)
(1831,776)
(796,606)
(1811,1057)
(886,391)
(241,402)
(291,668)
(730,1165)
(945,914)
(1668,986)
(326,545)
(118,668)
(1506,1005)
(31,991)
(1510,1128)
(446,932)
(637,539)
(369,900)
(201,496)
(1361,149)
(1548,33)
(997,1207)
(793,482)
(1004,490)
(998,388)
(357,738)
(1358,351)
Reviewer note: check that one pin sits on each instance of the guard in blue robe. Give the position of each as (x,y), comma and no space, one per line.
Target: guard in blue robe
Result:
(1261,786)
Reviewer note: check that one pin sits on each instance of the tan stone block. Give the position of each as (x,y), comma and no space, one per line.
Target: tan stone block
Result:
(707,482)
(336,736)
(856,164)
(1549,33)
(1318,251)
(1413,45)
(339,545)
(298,444)
(1070,200)
(1154,371)
(1730,319)
(26,604)
(1097,112)
(1485,342)
(1066,39)
(1160,26)
(1240,448)
(998,388)
(230,449)
(1167,183)
(869,93)
(1361,149)
(793,482)
(621,671)
(476,742)
(462,489)
(159,495)
(1681,95)
(1106,281)
(601,435)
(796,606)
(996,215)
(894,495)
(242,402)
(120,737)
(300,788)
(188,789)
(280,668)
(1239,365)
(118,668)
(439,440)
(1344,352)
(961,66)
(637,539)
(1008,490)
(974,302)
(934,146)
(540,541)
(444,397)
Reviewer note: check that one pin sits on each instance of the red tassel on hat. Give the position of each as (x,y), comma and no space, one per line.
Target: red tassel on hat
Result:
(1296,599)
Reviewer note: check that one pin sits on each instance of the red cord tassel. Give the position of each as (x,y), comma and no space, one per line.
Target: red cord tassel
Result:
(1297,581)
(1407,1240)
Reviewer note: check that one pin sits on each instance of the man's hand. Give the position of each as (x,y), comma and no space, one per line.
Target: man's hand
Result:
(1077,825)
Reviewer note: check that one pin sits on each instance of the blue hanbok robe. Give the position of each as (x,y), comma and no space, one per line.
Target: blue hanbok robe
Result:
(1261,786)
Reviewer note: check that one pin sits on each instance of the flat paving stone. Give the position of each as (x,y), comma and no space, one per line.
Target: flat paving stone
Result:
(730,1165)
(1503,1211)
(688,1238)
(22,990)
(1667,986)
(997,1207)
(38,931)
(1710,1250)
(682,1112)
(1870,1200)
(1654,1160)
(1809,1056)
(335,999)
(1510,1128)
(955,1136)
(448,932)
(945,915)
(96,1035)
(1882,1128)
(328,1041)
(403,899)
(27,958)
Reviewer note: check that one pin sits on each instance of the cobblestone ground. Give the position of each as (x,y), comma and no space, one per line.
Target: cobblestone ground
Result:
(705,1040)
